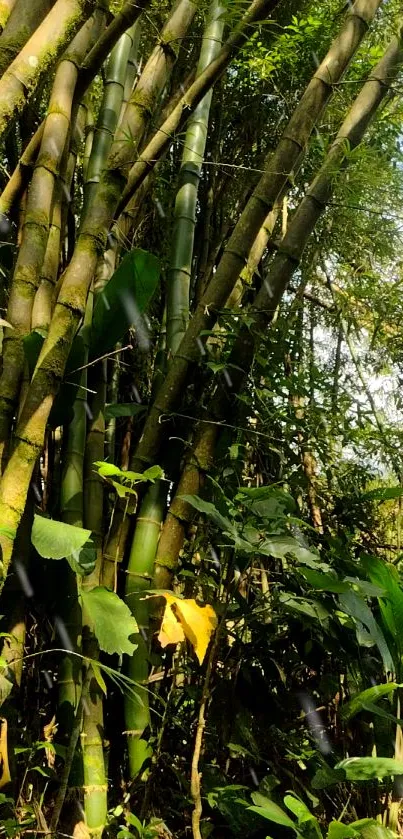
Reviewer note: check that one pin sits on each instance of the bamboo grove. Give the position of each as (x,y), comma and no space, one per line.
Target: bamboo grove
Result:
(200,418)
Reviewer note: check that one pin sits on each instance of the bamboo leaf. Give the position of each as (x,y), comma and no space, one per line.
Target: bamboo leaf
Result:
(112,620)
(210,511)
(123,300)
(55,539)
(99,677)
(359,702)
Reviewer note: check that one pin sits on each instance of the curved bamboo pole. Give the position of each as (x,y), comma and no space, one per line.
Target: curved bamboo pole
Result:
(21,24)
(36,226)
(37,56)
(180,268)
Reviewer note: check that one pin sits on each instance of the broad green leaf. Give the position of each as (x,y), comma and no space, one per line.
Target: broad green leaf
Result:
(154,473)
(123,409)
(210,511)
(271,811)
(358,702)
(124,300)
(298,809)
(280,546)
(383,493)
(83,562)
(366,768)
(310,608)
(391,603)
(338,830)
(55,539)
(107,469)
(112,620)
(327,777)
(356,607)
(324,582)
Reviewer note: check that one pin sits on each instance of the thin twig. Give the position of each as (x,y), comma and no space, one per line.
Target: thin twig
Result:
(101,358)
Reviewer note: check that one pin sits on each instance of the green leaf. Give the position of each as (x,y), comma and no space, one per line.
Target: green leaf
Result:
(210,511)
(324,582)
(366,768)
(310,608)
(358,702)
(123,409)
(280,546)
(107,469)
(124,300)
(298,809)
(99,677)
(154,473)
(8,532)
(83,562)
(55,539)
(271,811)
(112,620)
(326,777)
(355,606)
(338,830)
(383,493)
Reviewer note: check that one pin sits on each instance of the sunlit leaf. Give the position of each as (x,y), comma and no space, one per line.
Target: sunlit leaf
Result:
(112,620)
(56,539)
(186,619)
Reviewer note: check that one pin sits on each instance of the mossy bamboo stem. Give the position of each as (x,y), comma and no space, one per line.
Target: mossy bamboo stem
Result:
(180,268)
(36,224)
(36,57)
(21,24)
(69,309)
(6,7)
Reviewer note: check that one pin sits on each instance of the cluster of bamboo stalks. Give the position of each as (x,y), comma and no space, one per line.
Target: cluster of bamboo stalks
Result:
(53,293)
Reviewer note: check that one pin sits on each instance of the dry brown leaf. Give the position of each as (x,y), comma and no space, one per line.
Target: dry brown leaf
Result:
(6,323)
(81,831)
(49,732)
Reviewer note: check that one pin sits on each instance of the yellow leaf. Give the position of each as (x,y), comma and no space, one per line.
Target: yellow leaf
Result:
(5,776)
(187,619)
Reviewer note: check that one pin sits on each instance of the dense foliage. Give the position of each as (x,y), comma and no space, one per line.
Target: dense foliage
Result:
(201,419)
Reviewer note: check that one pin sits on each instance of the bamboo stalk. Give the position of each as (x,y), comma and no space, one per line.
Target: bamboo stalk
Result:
(180,268)
(151,83)
(162,138)
(35,230)
(6,7)
(109,112)
(70,306)
(36,57)
(21,24)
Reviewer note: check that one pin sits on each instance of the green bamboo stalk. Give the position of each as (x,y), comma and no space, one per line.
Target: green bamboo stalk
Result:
(36,224)
(109,112)
(139,580)
(43,302)
(288,155)
(180,268)
(95,781)
(21,24)
(132,67)
(151,83)
(37,56)
(149,521)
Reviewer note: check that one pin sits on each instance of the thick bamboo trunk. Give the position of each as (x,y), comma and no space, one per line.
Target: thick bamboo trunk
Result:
(75,286)
(36,226)
(39,53)
(6,7)
(21,24)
